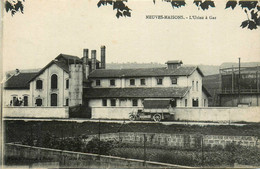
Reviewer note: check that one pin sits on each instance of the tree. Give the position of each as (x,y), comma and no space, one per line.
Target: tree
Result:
(251,8)
(14,6)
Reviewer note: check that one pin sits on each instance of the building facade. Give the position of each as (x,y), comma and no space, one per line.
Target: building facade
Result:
(69,81)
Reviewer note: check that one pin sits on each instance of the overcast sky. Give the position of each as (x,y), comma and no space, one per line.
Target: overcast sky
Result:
(48,28)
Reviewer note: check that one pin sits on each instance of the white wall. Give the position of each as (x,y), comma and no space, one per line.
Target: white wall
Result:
(46,91)
(112,112)
(9,94)
(248,114)
(36,112)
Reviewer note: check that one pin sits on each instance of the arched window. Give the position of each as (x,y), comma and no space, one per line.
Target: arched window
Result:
(38,102)
(39,84)
(54,81)
(54,99)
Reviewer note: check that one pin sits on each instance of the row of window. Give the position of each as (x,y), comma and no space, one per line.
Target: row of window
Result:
(19,101)
(133,81)
(54,101)
(195,102)
(193,85)
(54,83)
(113,102)
(38,102)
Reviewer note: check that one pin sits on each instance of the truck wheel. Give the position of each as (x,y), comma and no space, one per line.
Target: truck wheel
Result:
(132,118)
(157,117)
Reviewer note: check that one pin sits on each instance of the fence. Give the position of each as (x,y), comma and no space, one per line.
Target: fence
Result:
(76,159)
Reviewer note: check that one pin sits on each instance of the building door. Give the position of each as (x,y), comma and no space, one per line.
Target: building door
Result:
(54,99)
(38,102)
(25,101)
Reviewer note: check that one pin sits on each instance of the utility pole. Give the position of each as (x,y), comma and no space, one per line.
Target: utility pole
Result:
(202,151)
(238,80)
(144,149)
(99,136)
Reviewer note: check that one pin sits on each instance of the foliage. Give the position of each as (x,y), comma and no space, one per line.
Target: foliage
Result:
(251,8)
(209,157)
(14,6)
(118,5)
(97,146)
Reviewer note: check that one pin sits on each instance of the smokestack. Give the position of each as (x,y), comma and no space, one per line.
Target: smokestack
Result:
(93,59)
(85,64)
(103,57)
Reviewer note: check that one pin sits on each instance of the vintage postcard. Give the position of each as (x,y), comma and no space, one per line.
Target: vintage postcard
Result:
(130,83)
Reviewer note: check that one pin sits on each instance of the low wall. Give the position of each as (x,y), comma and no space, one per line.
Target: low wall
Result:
(76,159)
(112,112)
(179,140)
(216,114)
(36,112)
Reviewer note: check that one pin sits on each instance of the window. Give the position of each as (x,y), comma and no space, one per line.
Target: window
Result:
(174,80)
(197,86)
(38,102)
(159,81)
(142,81)
(67,102)
(193,85)
(39,84)
(104,102)
(15,101)
(112,82)
(195,102)
(97,82)
(135,102)
(67,83)
(186,102)
(25,100)
(173,103)
(54,81)
(205,102)
(132,82)
(113,102)
(54,99)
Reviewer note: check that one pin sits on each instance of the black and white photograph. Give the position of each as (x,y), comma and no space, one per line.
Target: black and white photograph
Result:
(130,84)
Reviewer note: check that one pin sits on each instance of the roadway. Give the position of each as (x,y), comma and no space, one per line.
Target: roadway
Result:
(127,121)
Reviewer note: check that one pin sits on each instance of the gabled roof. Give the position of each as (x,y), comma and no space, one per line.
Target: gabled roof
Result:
(20,81)
(60,64)
(144,72)
(69,59)
(155,92)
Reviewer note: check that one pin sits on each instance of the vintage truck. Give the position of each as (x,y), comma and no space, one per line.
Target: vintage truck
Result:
(155,109)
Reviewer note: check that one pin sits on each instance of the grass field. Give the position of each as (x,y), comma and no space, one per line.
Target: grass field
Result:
(18,130)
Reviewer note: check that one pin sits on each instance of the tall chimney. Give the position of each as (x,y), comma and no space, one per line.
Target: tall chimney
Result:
(93,59)
(103,57)
(85,64)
